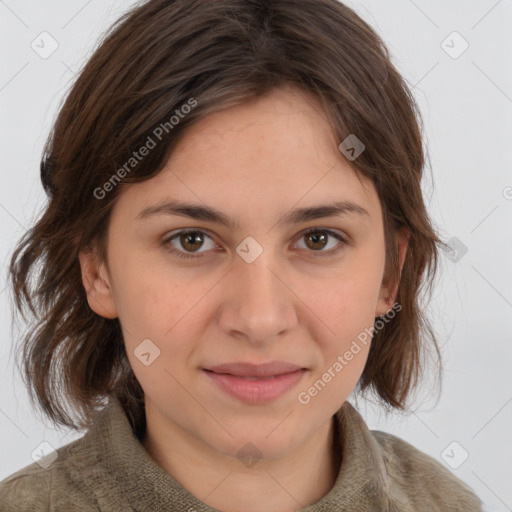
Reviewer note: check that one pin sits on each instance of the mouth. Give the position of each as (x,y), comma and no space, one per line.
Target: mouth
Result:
(255,384)
(249,378)
(259,371)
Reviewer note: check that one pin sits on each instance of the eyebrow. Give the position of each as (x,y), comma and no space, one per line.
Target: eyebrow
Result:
(209,214)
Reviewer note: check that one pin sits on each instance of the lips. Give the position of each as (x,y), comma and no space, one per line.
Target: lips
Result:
(255,384)
(255,390)
(250,370)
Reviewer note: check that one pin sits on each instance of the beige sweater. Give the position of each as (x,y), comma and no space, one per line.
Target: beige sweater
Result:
(108,469)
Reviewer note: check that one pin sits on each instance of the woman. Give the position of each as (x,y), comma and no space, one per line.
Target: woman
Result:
(235,240)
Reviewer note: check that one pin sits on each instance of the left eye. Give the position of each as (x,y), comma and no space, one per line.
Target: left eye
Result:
(320,240)
(192,240)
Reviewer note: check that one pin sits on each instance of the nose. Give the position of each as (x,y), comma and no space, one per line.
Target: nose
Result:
(258,304)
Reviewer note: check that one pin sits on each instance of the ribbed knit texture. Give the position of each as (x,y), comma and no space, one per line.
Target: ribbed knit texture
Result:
(109,470)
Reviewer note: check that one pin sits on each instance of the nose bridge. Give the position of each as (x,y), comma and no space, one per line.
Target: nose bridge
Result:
(262,307)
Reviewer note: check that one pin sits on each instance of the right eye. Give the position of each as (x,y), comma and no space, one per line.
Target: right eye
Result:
(188,239)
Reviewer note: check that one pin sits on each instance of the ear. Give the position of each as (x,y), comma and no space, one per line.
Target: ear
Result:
(389,289)
(97,283)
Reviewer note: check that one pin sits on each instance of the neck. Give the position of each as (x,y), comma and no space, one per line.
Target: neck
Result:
(222,482)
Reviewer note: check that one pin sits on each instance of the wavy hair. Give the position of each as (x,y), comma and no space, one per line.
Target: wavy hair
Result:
(152,61)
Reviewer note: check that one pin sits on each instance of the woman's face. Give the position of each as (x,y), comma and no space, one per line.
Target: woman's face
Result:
(254,289)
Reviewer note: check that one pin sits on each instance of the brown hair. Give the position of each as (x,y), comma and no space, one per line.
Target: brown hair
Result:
(153,61)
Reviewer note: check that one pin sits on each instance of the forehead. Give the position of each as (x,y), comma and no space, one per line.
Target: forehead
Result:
(295,116)
(263,156)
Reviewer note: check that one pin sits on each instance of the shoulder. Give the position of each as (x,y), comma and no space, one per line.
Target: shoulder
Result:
(47,485)
(417,479)
(27,489)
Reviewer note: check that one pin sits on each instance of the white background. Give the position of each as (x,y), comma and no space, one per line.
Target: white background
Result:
(467,106)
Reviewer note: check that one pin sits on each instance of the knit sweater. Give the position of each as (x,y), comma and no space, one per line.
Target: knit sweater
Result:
(109,470)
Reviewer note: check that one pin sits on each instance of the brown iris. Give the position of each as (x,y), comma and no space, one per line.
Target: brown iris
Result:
(190,239)
(318,238)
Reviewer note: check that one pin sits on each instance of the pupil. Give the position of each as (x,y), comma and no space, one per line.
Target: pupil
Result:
(318,239)
(191,239)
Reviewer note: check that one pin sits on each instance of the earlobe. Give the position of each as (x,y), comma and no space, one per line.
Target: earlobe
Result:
(388,292)
(97,284)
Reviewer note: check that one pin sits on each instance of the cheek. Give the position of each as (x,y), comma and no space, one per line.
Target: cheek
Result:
(163,307)
(348,309)
(346,302)
(146,294)
(349,313)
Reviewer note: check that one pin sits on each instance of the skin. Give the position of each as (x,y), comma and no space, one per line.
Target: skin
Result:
(254,162)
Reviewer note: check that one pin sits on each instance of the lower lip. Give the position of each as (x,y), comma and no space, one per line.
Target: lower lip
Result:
(256,391)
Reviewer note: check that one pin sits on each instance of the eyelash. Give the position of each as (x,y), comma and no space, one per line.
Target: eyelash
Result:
(190,256)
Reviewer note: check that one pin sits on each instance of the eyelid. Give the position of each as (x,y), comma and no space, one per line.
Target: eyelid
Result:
(343,239)
(183,254)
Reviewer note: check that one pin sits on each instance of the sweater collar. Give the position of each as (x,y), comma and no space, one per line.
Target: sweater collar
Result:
(362,475)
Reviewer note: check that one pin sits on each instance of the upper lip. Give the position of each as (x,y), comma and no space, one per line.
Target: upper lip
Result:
(256,370)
